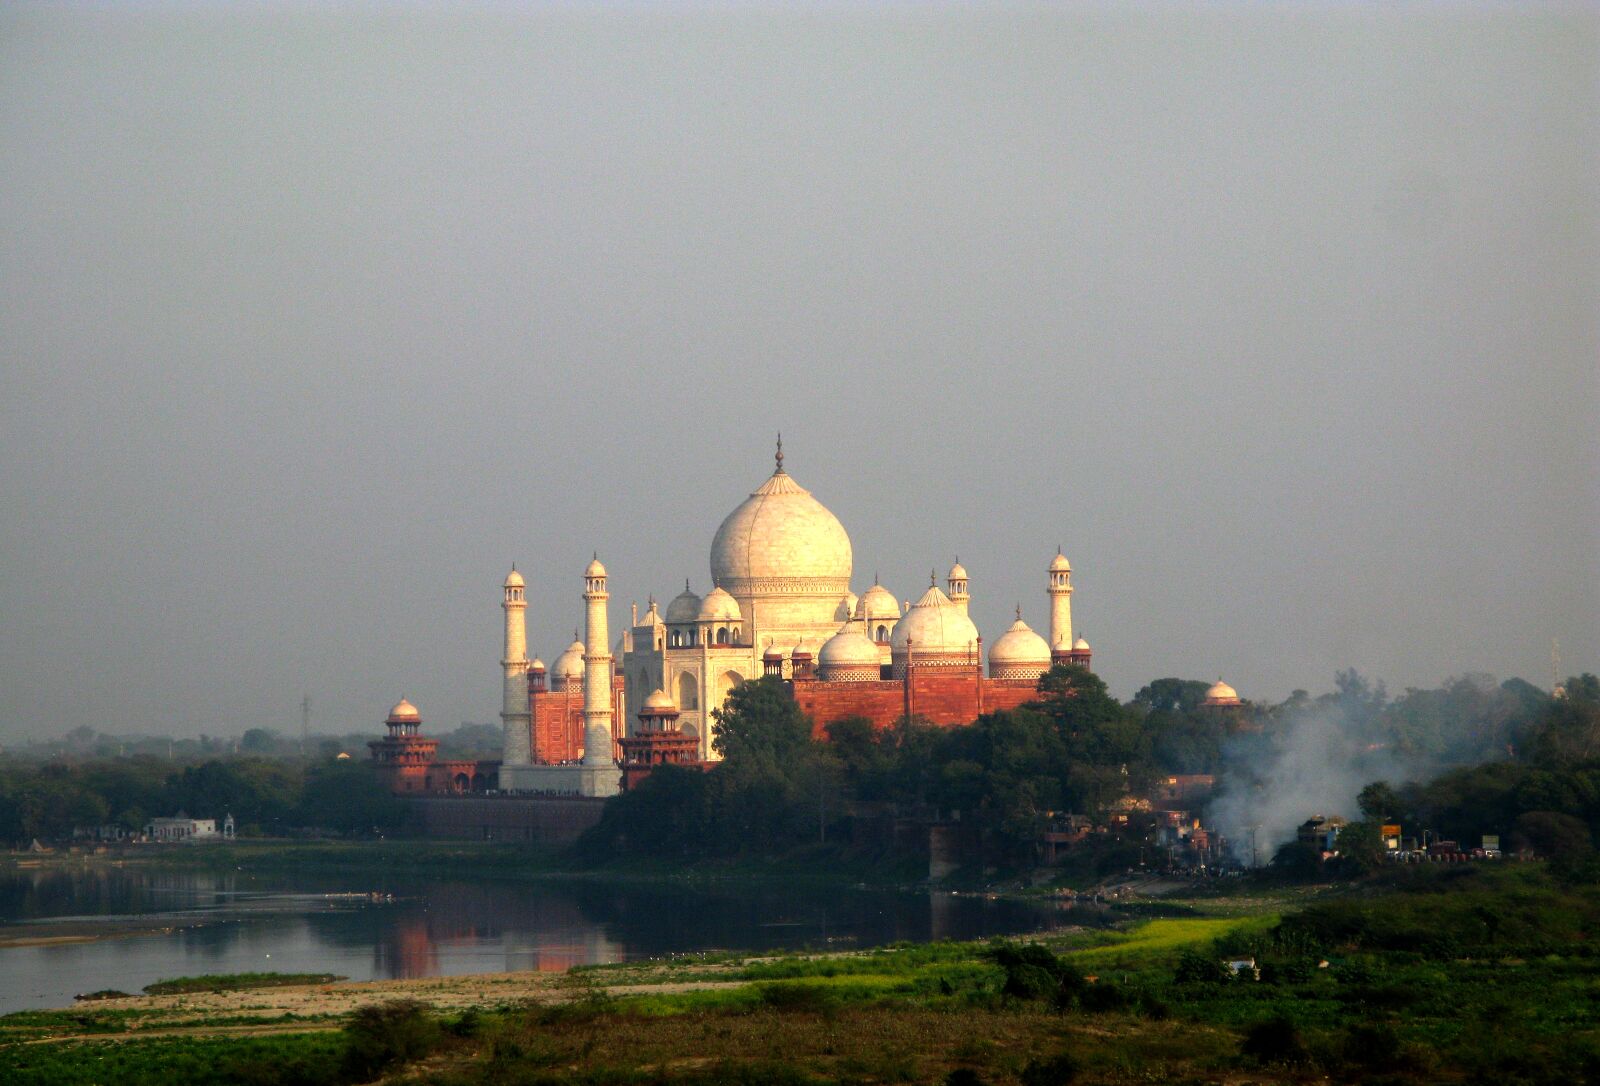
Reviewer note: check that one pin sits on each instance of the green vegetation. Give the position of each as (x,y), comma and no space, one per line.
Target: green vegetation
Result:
(1434,974)
(235,982)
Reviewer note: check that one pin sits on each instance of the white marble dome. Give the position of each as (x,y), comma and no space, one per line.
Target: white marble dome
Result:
(514,579)
(878,603)
(1059,564)
(1220,693)
(1019,653)
(595,569)
(1080,645)
(405,712)
(684,608)
(849,654)
(934,626)
(659,700)
(718,606)
(569,665)
(781,540)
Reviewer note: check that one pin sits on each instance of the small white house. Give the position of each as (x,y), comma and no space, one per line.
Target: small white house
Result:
(183,829)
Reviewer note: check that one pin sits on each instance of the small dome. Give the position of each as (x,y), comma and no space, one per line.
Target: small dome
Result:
(1019,647)
(404,712)
(934,624)
(514,579)
(685,606)
(718,606)
(849,648)
(658,701)
(1221,693)
(878,603)
(958,572)
(569,665)
(595,568)
(1059,564)
(1080,645)
(537,665)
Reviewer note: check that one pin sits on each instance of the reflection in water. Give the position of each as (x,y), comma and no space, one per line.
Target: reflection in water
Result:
(404,927)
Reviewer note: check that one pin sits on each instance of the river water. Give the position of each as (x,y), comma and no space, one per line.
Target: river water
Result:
(372,927)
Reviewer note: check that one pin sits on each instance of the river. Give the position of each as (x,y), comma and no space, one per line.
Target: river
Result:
(373,927)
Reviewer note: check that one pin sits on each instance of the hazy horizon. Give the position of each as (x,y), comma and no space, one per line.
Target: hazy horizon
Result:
(1282,322)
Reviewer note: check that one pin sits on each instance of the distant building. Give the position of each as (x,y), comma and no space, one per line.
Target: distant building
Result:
(182,828)
(780,605)
(1321,831)
(404,759)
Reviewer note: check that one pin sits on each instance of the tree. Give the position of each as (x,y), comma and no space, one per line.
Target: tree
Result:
(1360,847)
(258,741)
(1379,801)
(1554,836)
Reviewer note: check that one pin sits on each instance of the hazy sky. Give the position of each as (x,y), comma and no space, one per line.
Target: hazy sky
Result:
(1283,321)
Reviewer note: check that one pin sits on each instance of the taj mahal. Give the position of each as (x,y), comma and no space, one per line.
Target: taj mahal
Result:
(780,604)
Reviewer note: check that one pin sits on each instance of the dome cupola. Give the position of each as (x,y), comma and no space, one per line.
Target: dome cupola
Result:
(848,656)
(1220,695)
(878,611)
(568,667)
(684,608)
(934,632)
(718,606)
(781,541)
(1019,653)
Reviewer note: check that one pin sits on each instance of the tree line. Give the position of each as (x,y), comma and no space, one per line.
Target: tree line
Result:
(1076,749)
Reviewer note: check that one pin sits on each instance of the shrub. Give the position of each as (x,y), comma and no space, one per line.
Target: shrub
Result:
(1102,997)
(1276,1040)
(1032,972)
(1198,967)
(800,998)
(1057,1070)
(385,1034)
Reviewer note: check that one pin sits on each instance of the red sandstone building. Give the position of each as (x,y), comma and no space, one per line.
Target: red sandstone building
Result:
(404,759)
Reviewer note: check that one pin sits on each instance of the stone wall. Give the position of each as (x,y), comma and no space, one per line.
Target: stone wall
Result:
(551,820)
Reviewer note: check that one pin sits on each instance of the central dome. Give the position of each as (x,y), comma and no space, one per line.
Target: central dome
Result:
(781,541)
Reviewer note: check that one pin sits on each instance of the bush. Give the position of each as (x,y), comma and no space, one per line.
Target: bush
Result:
(1102,997)
(1277,1040)
(800,998)
(1058,1070)
(385,1034)
(1198,967)
(1033,973)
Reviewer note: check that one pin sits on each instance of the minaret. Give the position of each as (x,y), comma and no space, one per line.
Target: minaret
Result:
(1060,607)
(958,585)
(596,670)
(515,749)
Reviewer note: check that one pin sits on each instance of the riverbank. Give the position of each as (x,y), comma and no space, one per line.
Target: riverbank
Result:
(1359,988)
(815,866)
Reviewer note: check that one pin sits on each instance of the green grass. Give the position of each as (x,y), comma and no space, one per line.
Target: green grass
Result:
(1162,939)
(236,982)
(308,1059)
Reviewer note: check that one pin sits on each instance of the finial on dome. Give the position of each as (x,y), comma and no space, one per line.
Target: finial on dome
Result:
(686,584)
(513,567)
(575,636)
(1019,612)
(779,457)
(933,578)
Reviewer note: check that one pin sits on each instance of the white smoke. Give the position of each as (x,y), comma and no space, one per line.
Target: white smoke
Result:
(1311,762)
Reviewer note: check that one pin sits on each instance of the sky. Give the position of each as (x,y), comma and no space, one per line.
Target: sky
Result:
(1283,321)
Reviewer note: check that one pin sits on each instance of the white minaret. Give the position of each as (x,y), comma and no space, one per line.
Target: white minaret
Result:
(596,670)
(1060,605)
(515,749)
(958,585)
